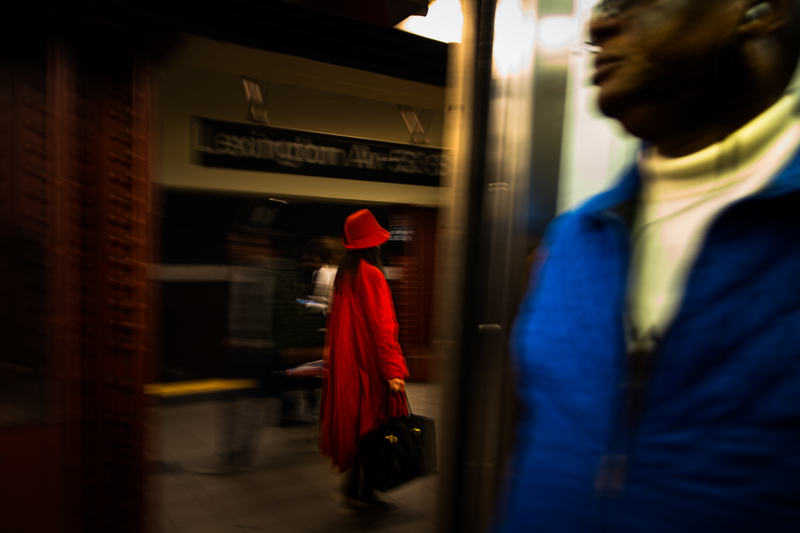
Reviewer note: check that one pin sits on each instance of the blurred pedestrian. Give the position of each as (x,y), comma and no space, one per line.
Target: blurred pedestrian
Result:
(658,355)
(252,352)
(365,371)
(323,256)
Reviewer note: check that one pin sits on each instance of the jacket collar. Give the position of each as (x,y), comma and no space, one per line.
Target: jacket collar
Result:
(622,196)
(787,181)
(625,192)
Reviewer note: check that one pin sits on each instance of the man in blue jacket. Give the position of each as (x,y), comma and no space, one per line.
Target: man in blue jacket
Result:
(658,351)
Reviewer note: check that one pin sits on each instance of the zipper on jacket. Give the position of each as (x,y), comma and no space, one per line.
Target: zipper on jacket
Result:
(613,468)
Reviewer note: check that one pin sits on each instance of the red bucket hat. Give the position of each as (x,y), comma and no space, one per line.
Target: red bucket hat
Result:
(362,231)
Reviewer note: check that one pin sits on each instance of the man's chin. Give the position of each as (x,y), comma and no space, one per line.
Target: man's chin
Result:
(638,120)
(611,103)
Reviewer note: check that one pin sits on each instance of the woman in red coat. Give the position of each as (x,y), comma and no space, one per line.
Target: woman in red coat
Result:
(365,363)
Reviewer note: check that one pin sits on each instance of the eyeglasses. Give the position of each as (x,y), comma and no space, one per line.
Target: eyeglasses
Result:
(613,8)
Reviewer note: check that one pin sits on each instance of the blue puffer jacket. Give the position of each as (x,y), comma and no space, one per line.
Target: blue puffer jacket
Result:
(717,448)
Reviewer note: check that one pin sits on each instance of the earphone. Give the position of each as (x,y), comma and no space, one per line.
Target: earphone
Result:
(756,12)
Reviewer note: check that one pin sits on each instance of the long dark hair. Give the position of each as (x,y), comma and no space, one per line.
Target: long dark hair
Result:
(347,273)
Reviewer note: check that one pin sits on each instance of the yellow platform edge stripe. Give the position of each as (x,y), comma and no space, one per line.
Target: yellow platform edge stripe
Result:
(185,388)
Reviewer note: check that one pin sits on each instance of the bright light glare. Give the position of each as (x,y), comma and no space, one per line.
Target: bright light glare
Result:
(443,22)
(557,33)
(514,37)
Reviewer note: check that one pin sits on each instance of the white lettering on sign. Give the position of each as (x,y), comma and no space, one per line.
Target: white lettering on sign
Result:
(304,152)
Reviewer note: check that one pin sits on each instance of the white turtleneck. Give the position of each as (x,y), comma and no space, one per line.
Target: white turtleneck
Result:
(682,196)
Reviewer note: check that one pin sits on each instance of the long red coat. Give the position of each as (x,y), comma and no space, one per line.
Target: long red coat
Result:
(363,356)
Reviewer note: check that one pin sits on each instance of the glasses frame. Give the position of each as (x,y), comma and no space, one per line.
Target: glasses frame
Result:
(613,8)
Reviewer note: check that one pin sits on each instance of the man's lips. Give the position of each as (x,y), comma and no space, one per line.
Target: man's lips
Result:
(604,63)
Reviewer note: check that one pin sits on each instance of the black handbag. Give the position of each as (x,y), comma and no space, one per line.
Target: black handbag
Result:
(401,449)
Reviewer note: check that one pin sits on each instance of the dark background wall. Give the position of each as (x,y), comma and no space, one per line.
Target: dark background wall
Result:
(194,310)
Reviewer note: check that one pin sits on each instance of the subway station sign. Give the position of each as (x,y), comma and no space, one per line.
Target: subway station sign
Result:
(223,144)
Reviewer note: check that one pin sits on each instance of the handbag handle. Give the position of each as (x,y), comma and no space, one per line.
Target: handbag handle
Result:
(408,404)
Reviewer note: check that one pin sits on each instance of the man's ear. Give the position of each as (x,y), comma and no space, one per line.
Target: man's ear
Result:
(764,17)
